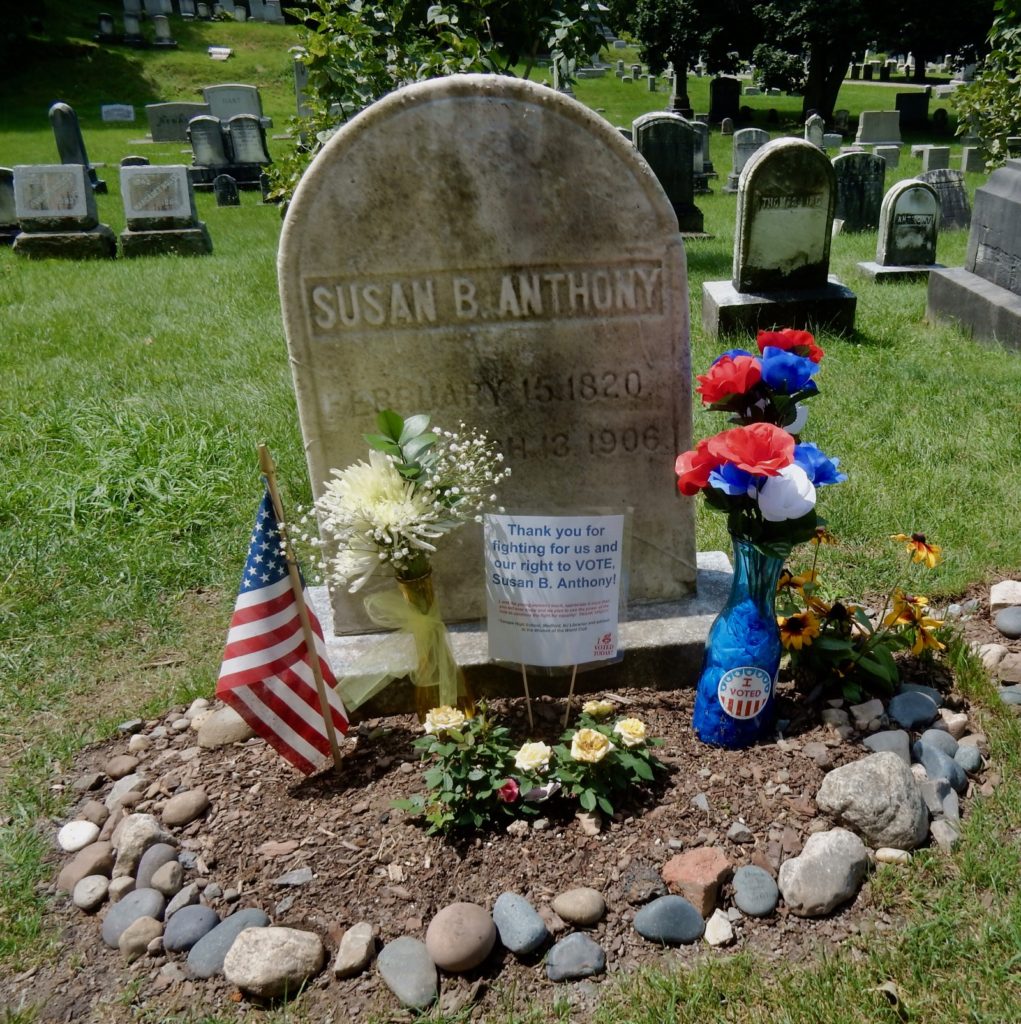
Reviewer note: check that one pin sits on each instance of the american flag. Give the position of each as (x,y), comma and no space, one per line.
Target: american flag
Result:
(266,675)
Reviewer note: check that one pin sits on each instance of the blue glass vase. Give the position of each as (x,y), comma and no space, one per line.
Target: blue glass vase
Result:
(735,699)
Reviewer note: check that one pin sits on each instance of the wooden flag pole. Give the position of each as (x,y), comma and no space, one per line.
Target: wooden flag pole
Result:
(269,472)
(570,694)
(528,699)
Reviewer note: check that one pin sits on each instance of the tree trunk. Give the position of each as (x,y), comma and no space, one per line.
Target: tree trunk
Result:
(827,66)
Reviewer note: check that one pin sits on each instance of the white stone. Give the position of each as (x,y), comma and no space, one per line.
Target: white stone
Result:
(222,727)
(828,871)
(76,835)
(718,929)
(356,950)
(91,892)
(1005,594)
(198,705)
(888,855)
(270,962)
(200,717)
(992,655)
(138,743)
(132,837)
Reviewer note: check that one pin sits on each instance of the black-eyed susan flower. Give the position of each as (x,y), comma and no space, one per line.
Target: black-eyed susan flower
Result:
(798,631)
(919,548)
(909,611)
(823,536)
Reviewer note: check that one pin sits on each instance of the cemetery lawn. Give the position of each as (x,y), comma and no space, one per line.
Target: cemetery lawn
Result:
(136,391)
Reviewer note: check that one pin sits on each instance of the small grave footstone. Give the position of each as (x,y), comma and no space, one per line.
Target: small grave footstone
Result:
(57,214)
(815,131)
(746,142)
(972,161)
(955,210)
(8,210)
(984,295)
(890,154)
(724,99)
(575,957)
(860,183)
(225,188)
(519,925)
(408,971)
(206,956)
(908,229)
(935,158)
(781,259)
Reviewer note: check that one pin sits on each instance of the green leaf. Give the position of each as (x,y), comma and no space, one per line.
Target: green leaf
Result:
(418,445)
(642,770)
(382,444)
(605,806)
(390,424)
(587,799)
(412,427)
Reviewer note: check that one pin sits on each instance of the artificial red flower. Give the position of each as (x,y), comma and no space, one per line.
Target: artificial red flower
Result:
(801,343)
(508,792)
(693,469)
(761,449)
(735,375)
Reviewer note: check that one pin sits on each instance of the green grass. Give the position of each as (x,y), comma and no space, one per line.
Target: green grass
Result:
(136,391)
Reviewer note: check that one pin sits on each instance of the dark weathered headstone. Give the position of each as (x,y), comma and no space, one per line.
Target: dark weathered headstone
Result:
(667,141)
(746,142)
(702,165)
(134,161)
(727,126)
(70,143)
(724,98)
(105,29)
(954,208)
(264,187)
(984,296)
(168,122)
(940,119)
(247,140)
(207,142)
(908,228)
(913,108)
(781,258)
(935,158)
(8,211)
(225,188)
(861,180)
(56,210)
(972,161)
(159,207)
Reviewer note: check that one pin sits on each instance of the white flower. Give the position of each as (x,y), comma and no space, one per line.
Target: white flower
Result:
(443,719)
(597,708)
(790,495)
(631,731)
(533,757)
(590,746)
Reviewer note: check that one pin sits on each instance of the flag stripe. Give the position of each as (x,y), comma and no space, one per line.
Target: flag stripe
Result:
(279,736)
(277,632)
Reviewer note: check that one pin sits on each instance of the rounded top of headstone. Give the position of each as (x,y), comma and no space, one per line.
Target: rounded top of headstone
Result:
(781,154)
(898,188)
(471,162)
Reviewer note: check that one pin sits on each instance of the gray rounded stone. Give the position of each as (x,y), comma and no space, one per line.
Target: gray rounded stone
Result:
(938,766)
(755,892)
(896,741)
(1010,694)
(187,926)
(518,924)
(912,710)
(140,903)
(969,758)
(207,955)
(152,860)
(408,971)
(577,956)
(828,871)
(1008,622)
(941,740)
(670,919)
(90,893)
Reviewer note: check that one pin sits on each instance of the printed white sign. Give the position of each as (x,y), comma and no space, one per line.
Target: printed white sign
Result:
(553,588)
(117,112)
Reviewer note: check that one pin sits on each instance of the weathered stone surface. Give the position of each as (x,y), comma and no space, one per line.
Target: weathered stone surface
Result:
(460,937)
(861,179)
(576,956)
(168,879)
(519,925)
(969,759)
(866,712)
(140,903)
(76,835)
(134,835)
(96,859)
(184,808)
(378,211)
(120,887)
(222,727)
(582,906)
(187,897)
(945,834)
(90,893)
(408,971)
(941,740)
(888,855)
(121,765)
(1008,622)
(670,919)
(697,875)
(1004,594)
(718,929)
(356,950)
(154,857)
(136,937)
(897,741)
(270,962)
(829,871)
(938,766)
(877,797)
(95,812)
(187,926)
(913,710)
(132,783)
(206,956)
(755,892)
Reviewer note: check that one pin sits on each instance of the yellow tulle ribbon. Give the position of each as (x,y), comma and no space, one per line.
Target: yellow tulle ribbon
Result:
(417,648)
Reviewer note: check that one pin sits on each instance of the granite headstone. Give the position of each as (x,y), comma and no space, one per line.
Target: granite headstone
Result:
(667,141)
(159,207)
(746,142)
(168,122)
(908,228)
(225,188)
(878,128)
(724,98)
(954,208)
(70,143)
(8,210)
(861,179)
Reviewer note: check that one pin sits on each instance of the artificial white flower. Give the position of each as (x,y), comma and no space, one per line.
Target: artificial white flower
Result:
(789,495)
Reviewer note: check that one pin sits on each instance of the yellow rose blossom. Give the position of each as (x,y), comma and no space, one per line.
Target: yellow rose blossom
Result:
(631,731)
(590,746)
(597,708)
(533,757)
(443,719)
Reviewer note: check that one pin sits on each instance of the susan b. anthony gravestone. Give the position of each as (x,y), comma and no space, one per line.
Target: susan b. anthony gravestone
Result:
(908,227)
(483,249)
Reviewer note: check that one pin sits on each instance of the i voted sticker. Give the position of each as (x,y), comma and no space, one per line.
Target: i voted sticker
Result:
(743,692)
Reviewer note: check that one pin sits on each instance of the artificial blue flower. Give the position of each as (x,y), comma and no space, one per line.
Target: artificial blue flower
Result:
(732,480)
(786,372)
(732,352)
(820,468)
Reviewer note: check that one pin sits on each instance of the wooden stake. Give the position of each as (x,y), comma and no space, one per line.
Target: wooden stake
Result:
(528,699)
(269,472)
(570,694)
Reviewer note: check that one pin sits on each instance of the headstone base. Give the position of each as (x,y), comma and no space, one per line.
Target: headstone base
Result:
(662,645)
(882,275)
(725,310)
(179,241)
(97,243)
(987,310)
(7,236)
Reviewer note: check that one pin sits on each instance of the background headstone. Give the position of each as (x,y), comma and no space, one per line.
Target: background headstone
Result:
(935,158)
(70,144)
(746,142)
(164,38)
(476,220)
(248,140)
(878,128)
(984,296)
(168,122)
(134,161)
(8,210)
(815,129)
(112,112)
(207,142)
(954,208)
(891,154)
(667,141)
(971,160)
(225,188)
(133,29)
(913,108)
(724,98)
(159,207)
(229,99)
(861,180)
(908,229)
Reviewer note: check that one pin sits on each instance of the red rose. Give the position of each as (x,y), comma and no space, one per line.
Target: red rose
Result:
(508,792)
(761,449)
(801,343)
(730,375)
(693,469)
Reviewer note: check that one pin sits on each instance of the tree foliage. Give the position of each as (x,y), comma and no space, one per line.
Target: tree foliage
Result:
(991,105)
